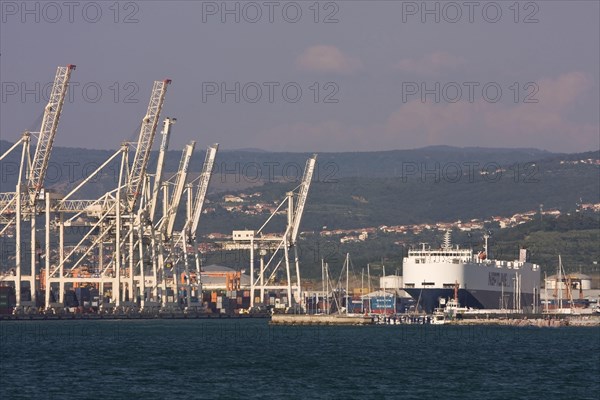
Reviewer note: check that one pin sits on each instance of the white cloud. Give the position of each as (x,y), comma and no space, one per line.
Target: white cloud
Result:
(542,125)
(325,58)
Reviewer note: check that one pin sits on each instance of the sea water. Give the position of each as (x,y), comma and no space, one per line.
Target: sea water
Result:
(247,358)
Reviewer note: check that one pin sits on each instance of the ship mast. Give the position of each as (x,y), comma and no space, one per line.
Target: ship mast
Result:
(485,246)
(447,245)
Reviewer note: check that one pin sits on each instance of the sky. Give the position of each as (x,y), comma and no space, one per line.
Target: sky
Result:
(325,76)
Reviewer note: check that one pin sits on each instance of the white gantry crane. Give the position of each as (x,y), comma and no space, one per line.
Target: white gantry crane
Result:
(109,226)
(134,188)
(26,199)
(277,244)
(166,250)
(296,217)
(115,240)
(187,236)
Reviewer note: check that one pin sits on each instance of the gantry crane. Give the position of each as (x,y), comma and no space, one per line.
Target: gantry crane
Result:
(276,244)
(114,219)
(147,222)
(309,170)
(190,229)
(25,200)
(122,230)
(166,250)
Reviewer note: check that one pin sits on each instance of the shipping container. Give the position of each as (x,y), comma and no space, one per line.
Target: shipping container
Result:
(25,294)
(6,290)
(82,294)
(70,299)
(6,310)
(380,305)
(232,304)
(40,300)
(7,298)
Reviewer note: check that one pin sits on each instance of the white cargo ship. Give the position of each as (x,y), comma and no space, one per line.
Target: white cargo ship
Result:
(481,283)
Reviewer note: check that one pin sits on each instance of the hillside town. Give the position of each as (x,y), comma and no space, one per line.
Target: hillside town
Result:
(251,204)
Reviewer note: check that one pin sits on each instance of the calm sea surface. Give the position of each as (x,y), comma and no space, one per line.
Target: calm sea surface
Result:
(188,359)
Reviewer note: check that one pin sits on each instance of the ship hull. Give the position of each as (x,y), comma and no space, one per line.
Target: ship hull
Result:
(429,298)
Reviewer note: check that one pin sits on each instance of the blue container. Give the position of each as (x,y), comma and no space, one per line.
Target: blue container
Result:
(382,303)
(83,294)
(25,294)
(71,299)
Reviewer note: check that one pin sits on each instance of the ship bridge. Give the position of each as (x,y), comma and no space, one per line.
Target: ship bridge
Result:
(441,255)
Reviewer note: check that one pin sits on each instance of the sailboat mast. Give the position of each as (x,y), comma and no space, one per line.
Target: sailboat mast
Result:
(384,292)
(347,276)
(327,285)
(560,284)
(323,279)
(546,291)
(362,286)
(369,284)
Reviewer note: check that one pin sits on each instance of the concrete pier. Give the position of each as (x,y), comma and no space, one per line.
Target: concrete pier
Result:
(298,319)
(549,321)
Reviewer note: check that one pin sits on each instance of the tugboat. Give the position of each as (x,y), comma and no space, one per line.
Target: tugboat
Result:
(439,317)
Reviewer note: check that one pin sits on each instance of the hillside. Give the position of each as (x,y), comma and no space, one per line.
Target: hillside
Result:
(575,237)
(72,164)
(353,190)
(388,188)
(355,202)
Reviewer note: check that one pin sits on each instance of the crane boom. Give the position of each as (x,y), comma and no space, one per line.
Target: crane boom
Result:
(145,141)
(309,169)
(205,177)
(37,173)
(164,147)
(182,173)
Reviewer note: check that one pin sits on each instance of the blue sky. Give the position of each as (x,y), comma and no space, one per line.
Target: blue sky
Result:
(308,76)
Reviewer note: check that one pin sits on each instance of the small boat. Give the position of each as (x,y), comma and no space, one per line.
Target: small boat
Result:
(439,317)
(454,310)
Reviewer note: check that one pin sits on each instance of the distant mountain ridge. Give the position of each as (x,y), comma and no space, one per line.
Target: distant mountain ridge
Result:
(251,167)
(5,144)
(356,163)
